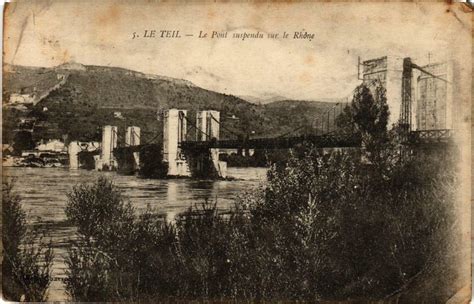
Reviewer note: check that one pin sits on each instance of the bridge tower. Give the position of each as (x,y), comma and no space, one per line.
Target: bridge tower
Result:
(174,132)
(132,138)
(419,97)
(109,143)
(208,122)
(73,151)
(432,103)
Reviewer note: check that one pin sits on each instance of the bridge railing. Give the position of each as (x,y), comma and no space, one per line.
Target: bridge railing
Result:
(430,136)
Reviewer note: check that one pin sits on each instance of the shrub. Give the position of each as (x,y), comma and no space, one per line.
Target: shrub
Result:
(99,212)
(27,259)
(117,256)
(348,229)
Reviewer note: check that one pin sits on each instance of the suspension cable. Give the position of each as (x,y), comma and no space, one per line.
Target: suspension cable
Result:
(195,127)
(220,124)
(151,140)
(136,134)
(292,131)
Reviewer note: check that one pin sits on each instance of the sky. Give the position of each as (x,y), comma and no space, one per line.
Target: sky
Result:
(49,33)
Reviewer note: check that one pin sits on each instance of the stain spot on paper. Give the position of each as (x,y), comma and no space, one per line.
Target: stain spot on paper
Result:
(111,16)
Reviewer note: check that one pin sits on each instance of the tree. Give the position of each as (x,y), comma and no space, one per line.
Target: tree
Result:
(367,115)
(23,140)
(370,112)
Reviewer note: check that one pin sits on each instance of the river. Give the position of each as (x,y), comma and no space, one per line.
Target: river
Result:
(43,193)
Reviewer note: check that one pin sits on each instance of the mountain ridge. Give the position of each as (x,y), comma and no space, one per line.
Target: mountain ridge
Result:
(91,94)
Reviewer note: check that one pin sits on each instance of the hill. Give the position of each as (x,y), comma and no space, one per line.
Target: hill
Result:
(263,99)
(77,100)
(311,114)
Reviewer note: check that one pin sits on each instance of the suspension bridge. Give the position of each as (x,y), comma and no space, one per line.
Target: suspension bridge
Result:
(176,154)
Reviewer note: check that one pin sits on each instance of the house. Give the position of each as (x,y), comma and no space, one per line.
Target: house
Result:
(16,99)
(54,145)
(118,115)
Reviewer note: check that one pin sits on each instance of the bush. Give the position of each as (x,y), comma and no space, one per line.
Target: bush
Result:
(117,255)
(27,259)
(348,229)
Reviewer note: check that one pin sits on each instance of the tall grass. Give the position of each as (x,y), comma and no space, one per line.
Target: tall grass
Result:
(325,227)
(27,259)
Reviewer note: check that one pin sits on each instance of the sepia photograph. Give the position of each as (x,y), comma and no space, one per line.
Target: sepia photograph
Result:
(236,152)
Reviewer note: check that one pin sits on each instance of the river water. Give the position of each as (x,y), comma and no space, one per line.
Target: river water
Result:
(43,193)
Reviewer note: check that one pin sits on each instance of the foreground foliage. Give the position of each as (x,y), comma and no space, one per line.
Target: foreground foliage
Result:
(326,226)
(27,260)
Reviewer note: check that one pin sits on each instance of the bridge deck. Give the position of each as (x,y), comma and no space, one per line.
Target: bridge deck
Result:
(323,141)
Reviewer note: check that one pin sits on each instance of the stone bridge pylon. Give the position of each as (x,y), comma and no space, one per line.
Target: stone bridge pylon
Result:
(202,163)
